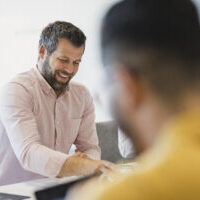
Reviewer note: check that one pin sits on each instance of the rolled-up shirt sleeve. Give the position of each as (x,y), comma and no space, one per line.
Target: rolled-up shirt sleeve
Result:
(16,113)
(87,140)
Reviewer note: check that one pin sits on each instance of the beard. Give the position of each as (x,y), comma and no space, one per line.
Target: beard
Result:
(50,77)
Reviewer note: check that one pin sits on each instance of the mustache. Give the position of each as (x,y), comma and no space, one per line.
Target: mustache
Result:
(64,72)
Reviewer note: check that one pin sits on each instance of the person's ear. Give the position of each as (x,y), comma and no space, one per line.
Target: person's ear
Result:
(42,52)
(131,86)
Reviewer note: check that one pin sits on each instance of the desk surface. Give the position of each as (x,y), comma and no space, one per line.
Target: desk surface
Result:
(28,188)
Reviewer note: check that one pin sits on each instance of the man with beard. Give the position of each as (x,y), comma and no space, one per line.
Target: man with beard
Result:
(152,51)
(43,114)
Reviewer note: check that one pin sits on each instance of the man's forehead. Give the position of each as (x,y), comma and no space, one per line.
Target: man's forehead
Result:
(66,49)
(63,42)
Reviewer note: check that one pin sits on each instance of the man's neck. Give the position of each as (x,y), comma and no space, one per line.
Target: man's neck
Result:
(147,121)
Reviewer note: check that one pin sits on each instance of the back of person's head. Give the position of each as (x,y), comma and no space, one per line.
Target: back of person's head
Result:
(156,39)
(61,29)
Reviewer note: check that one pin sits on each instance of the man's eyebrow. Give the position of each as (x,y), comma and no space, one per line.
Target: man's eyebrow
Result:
(64,57)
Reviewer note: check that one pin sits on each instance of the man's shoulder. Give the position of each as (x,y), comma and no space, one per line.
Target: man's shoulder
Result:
(25,79)
(19,86)
(22,82)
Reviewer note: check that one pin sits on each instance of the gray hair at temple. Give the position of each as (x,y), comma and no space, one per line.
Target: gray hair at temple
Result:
(60,29)
(158,40)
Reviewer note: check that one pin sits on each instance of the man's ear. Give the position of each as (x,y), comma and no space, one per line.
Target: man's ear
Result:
(131,86)
(42,52)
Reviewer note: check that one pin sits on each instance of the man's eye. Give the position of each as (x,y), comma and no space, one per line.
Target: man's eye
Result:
(76,63)
(63,61)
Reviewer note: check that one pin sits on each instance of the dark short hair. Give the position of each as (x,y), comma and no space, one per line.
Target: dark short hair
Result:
(60,29)
(168,28)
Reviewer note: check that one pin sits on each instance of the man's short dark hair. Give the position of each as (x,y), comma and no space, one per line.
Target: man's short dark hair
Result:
(167,30)
(60,29)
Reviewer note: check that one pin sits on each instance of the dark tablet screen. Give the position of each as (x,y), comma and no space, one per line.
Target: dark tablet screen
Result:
(58,192)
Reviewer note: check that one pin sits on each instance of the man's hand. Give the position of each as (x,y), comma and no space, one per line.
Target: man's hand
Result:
(80,165)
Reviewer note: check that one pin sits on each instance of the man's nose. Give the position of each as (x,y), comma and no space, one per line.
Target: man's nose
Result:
(69,68)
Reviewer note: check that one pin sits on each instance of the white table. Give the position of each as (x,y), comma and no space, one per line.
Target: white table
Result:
(28,188)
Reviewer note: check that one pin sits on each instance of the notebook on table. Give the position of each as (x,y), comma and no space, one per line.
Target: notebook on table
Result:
(5,196)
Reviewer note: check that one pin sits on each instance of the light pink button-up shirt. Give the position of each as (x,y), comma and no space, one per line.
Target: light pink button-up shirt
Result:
(37,129)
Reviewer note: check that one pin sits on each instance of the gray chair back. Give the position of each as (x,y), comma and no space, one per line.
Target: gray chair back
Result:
(108,140)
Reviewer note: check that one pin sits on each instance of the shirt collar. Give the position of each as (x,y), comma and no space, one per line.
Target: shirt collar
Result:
(43,83)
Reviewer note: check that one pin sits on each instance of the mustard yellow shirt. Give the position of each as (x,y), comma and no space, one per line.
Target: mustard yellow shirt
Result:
(170,171)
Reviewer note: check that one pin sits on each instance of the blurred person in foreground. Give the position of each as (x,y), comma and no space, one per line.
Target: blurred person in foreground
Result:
(43,112)
(151,51)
